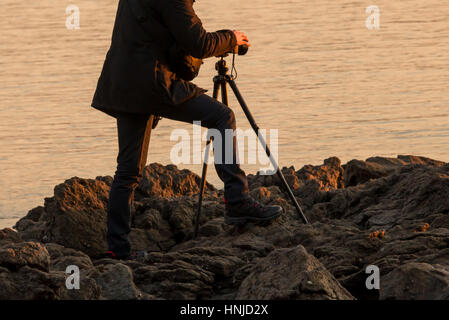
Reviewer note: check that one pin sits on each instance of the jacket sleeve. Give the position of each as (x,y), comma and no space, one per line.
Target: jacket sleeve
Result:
(187,29)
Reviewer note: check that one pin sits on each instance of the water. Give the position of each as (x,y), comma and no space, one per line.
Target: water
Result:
(315,72)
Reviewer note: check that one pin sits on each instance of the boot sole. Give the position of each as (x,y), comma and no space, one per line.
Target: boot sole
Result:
(244,220)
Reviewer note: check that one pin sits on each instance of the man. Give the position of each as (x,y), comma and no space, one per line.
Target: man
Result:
(137,81)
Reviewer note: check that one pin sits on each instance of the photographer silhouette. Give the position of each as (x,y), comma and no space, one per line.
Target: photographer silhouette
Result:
(139,80)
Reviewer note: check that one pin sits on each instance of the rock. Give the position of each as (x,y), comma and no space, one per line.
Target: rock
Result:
(329,175)
(416,281)
(193,273)
(309,184)
(150,219)
(33,284)
(27,271)
(410,193)
(178,280)
(403,199)
(18,255)
(220,261)
(116,282)
(181,219)
(61,258)
(89,290)
(141,240)
(211,228)
(168,181)
(75,217)
(409,159)
(32,226)
(8,235)
(29,284)
(358,172)
(291,274)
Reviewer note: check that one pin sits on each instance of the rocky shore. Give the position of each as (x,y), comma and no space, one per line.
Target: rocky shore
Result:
(389,212)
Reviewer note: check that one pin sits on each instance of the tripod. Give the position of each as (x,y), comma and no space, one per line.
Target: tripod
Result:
(220,82)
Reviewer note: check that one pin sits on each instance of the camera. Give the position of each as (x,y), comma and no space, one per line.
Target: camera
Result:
(241,50)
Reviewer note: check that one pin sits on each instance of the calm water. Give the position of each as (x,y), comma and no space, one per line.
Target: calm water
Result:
(315,72)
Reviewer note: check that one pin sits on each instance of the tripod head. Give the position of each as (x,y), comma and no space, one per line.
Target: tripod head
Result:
(223,69)
(221,66)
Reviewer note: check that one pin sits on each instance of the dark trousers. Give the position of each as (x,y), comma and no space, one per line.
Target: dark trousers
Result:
(133,136)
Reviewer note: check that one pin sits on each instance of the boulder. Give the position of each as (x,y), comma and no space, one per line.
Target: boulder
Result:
(291,273)
(416,281)
(75,217)
(358,172)
(17,255)
(328,176)
(30,284)
(28,271)
(168,181)
(116,282)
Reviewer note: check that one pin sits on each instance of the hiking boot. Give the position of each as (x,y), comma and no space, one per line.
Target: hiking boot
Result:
(249,210)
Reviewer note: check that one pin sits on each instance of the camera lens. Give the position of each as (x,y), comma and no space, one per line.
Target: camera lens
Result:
(243,49)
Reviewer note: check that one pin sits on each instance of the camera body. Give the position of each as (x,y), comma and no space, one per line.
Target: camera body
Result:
(239,50)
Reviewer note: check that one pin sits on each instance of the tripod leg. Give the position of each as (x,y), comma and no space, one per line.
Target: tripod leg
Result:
(267,150)
(224,93)
(205,164)
(202,187)
(216,89)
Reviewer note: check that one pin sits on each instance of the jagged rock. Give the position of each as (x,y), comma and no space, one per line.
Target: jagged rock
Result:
(116,282)
(358,172)
(211,228)
(291,274)
(412,192)
(193,273)
(309,184)
(150,219)
(175,280)
(409,159)
(220,261)
(61,258)
(17,255)
(8,235)
(33,225)
(168,181)
(27,272)
(75,217)
(29,284)
(89,290)
(416,281)
(329,176)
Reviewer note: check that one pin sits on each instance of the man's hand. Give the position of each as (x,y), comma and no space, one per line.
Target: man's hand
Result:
(242,39)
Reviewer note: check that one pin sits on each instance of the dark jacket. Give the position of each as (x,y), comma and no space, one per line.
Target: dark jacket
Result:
(136,76)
